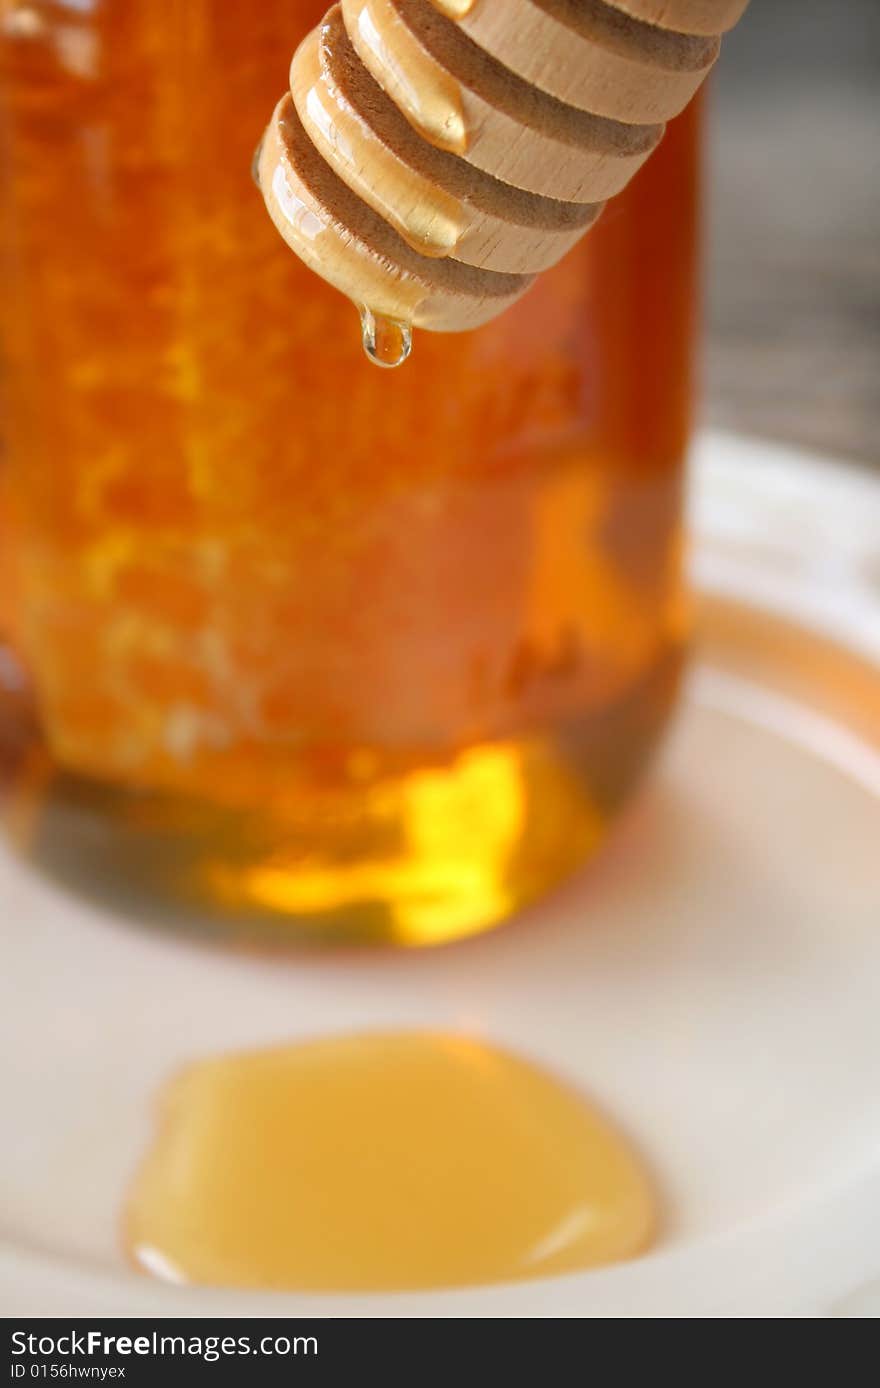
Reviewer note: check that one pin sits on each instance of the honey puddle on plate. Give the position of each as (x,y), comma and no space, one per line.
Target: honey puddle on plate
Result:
(381,1162)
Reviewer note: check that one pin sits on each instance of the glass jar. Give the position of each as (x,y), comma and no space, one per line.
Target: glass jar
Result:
(318,648)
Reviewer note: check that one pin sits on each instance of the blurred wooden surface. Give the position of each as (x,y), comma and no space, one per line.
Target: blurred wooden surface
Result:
(793,273)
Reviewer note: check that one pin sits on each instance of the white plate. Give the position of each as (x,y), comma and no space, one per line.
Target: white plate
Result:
(721,1001)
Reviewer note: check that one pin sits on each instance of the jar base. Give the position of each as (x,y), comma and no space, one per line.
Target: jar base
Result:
(425,856)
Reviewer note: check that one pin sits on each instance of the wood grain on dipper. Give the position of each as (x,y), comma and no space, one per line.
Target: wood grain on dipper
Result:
(435,154)
(437,202)
(594,56)
(357,251)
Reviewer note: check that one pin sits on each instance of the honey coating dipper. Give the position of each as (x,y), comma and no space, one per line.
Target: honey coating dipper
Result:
(433,156)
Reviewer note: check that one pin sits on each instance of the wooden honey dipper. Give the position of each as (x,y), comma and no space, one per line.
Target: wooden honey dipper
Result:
(433,156)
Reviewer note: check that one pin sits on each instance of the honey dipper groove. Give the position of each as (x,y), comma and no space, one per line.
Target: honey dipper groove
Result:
(688,16)
(437,202)
(433,155)
(516,131)
(347,242)
(593,56)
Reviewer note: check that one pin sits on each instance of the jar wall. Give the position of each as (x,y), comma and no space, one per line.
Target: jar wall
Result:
(365,653)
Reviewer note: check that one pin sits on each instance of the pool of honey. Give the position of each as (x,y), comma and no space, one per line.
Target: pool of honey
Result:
(382,1162)
(375,654)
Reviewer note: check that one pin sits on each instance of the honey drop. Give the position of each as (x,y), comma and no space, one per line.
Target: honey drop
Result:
(387,341)
(382,1162)
(427,94)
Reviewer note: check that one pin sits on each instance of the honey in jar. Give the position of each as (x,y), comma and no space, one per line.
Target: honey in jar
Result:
(317,648)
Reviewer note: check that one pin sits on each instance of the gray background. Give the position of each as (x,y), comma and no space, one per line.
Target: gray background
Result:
(793,254)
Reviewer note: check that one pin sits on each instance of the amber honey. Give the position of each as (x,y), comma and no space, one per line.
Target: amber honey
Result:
(365,653)
(382,1162)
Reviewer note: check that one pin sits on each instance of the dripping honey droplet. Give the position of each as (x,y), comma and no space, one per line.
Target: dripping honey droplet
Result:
(387,341)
